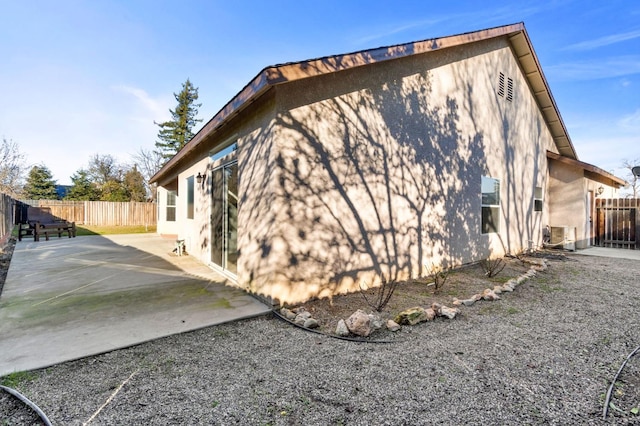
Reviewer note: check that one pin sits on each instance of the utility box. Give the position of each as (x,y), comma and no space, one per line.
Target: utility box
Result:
(563,236)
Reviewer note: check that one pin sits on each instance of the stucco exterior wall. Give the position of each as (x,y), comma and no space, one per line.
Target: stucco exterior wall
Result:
(375,172)
(568,205)
(572,194)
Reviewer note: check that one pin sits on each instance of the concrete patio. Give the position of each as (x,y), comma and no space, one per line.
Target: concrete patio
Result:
(66,299)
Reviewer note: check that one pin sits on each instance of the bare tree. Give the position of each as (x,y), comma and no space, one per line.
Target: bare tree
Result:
(634,183)
(103,169)
(149,163)
(12,168)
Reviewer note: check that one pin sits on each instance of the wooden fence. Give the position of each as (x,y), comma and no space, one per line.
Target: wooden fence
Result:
(101,213)
(618,223)
(7,216)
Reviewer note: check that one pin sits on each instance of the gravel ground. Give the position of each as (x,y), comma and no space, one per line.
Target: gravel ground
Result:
(544,354)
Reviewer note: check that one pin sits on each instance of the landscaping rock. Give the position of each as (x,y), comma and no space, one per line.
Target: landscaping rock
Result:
(457,302)
(376,322)
(311,323)
(299,320)
(304,315)
(412,316)
(490,295)
(436,308)
(509,286)
(449,312)
(431,314)
(288,314)
(469,302)
(497,289)
(341,329)
(359,323)
(393,326)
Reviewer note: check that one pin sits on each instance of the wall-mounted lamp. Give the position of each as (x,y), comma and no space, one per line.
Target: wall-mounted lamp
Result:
(600,190)
(199,178)
(636,171)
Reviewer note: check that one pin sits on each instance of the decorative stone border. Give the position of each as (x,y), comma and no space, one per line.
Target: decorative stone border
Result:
(362,324)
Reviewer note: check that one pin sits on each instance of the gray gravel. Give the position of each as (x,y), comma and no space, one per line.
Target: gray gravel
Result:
(543,355)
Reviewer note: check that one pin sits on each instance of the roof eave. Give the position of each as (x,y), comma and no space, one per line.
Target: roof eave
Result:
(279,74)
(615,181)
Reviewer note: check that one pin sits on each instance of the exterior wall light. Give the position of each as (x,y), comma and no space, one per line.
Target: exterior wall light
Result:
(636,171)
(199,178)
(600,190)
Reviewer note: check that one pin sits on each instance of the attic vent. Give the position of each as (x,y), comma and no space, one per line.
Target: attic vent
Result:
(501,85)
(510,89)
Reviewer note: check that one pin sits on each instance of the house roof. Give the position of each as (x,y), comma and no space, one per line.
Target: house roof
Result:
(283,73)
(596,172)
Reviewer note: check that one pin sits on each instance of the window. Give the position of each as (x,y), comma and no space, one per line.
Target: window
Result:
(490,205)
(190,197)
(171,206)
(224,149)
(537,199)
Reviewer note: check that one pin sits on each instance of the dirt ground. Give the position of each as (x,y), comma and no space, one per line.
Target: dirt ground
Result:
(460,283)
(544,354)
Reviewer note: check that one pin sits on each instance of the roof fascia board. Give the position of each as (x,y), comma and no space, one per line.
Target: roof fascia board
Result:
(551,113)
(288,72)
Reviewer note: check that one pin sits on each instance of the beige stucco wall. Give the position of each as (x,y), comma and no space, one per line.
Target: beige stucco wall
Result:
(572,199)
(376,172)
(255,157)
(568,204)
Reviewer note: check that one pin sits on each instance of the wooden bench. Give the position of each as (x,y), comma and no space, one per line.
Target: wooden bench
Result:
(40,222)
(58,229)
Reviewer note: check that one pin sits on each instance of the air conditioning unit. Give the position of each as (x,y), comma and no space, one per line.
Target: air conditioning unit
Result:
(563,236)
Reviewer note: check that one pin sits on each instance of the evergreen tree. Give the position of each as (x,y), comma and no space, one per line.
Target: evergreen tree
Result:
(83,188)
(175,134)
(40,184)
(114,190)
(134,185)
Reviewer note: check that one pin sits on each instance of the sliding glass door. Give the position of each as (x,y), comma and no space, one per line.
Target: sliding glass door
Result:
(224,217)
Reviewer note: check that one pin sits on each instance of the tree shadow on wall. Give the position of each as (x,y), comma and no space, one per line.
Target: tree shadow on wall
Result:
(375,185)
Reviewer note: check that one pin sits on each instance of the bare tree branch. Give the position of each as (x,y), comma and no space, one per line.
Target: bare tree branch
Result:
(12,168)
(149,163)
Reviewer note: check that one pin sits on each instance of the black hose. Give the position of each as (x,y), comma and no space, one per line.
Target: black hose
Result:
(26,401)
(348,339)
(607,400)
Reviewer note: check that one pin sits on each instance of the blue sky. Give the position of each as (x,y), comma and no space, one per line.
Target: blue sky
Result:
(79,78)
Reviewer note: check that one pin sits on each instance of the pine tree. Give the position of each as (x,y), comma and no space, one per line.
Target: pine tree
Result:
(175,134)
(134,184)
(40,184)
(83,189)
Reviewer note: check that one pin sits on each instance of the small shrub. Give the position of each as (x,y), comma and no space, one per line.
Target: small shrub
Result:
(439,275)
(379,296)
(492,267)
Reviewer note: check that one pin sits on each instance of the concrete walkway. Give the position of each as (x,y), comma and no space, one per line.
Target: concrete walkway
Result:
(610,252)
(66,299)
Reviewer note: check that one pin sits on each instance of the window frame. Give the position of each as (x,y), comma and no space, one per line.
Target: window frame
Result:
(490,206)
(190,197)
(538,199)
(170,208)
